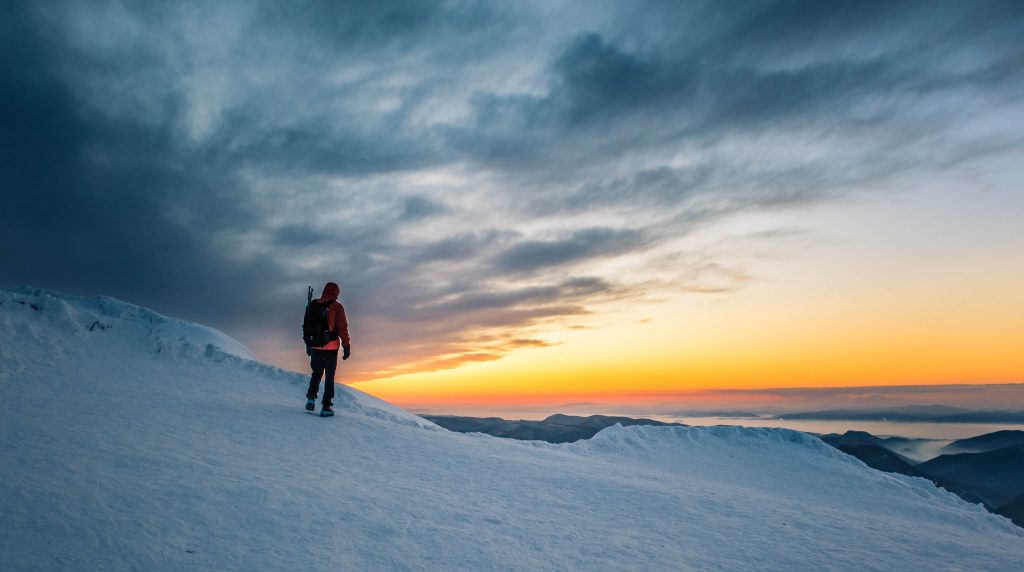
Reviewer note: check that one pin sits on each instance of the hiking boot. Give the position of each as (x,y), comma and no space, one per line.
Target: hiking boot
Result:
(310,404)
(326,411)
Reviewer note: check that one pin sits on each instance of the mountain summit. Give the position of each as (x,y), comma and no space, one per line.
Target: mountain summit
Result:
(135,441)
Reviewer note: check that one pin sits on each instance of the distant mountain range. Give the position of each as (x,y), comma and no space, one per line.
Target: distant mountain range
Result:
(992,475)
(918,413)
(904,447)
(556,428)
(880,458)
(987,442)
(730,413)
(996,477)
(865,438)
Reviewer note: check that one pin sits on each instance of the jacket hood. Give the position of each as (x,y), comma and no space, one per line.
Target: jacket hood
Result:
(331,291)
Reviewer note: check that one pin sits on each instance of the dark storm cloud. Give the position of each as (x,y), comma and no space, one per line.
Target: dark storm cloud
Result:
(459,246)
(657,187)
(581,246)
(600,94)
(456,164)
(579,288)
(85,201)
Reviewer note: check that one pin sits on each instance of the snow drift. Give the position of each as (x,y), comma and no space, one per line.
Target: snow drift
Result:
(136,441)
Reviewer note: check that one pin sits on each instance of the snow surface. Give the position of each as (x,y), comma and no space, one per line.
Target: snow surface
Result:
(135,441)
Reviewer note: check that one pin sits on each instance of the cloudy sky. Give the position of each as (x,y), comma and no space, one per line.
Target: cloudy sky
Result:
(536,198)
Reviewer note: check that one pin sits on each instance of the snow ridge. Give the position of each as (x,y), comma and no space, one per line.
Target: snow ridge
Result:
(675,448)
(78,316)
(56,320)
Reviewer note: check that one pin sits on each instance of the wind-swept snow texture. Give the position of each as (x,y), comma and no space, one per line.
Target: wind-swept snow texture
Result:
(135,441)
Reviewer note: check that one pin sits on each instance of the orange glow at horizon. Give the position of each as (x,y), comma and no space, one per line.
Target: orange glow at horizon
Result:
(668,356)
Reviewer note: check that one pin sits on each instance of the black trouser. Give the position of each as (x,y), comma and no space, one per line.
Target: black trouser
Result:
(322,362)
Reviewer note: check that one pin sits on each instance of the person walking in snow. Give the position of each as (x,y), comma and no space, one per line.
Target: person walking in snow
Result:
(325,330)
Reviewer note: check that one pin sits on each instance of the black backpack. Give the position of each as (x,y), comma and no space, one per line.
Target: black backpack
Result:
(315,332)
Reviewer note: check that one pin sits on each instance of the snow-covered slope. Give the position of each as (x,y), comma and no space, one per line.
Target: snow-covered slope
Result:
(135,441)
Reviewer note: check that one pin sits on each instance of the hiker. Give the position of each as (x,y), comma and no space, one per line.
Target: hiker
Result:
(325,329)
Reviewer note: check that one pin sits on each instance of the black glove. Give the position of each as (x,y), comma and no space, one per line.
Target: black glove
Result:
(309,351)
(348,352)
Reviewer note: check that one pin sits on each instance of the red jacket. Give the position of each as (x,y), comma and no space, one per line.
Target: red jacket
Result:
(336,320)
